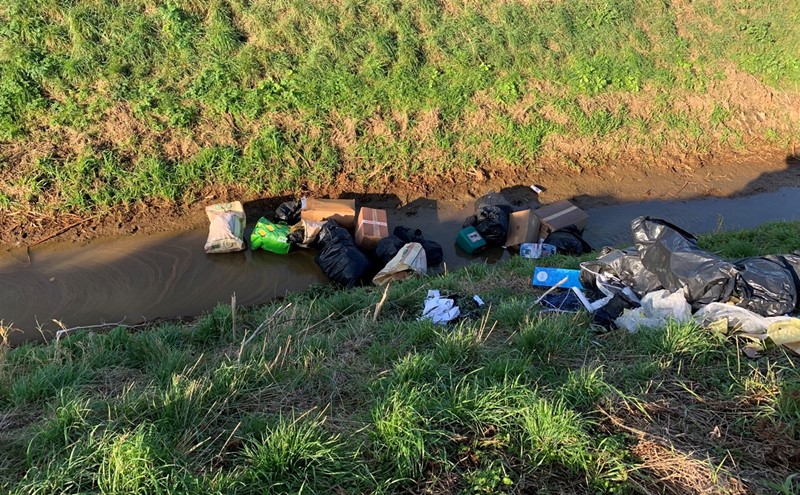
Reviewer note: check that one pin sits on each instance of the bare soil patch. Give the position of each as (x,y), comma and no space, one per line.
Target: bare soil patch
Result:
(673,177)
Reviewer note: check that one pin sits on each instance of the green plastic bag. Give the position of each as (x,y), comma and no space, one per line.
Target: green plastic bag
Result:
(270,236)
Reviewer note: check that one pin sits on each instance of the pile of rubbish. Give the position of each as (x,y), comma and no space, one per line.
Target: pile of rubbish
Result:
(664,276)
(550,229)
(667,276)
(369,254)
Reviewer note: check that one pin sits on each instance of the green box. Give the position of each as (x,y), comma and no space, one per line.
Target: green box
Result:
(470,241)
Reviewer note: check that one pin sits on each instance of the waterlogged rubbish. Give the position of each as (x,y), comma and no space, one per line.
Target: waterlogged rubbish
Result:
(523,228)
(341,211)
(289,212)
(568,241)
(226,229)
(470,241)
(339,257)
(536,250)
(388,247)
(491,220)
(433,250)
(270,236)
(305,233)
(371,227)
(559,215)
(409,260)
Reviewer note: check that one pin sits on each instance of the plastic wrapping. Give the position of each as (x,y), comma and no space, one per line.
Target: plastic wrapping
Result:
(270,237)
(387,248)
(737,319)
(433,250)
(289,212)
(765,286)
(492,218)
(568,241)
(624,268)
(679,264)
(657,309)
(340,258)
(305,233)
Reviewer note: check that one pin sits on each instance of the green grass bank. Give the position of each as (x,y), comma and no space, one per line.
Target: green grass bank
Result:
(326,400)
(106,103)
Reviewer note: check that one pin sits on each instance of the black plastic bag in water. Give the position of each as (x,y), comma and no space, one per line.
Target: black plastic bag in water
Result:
(433,250)
(492,213)
(673,255)
(388,247)
(621,267)
(568,241)
(766,285)
(289,212)
(340,258)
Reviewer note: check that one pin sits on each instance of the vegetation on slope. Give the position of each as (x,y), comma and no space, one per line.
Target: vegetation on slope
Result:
(105,103)
(326,400)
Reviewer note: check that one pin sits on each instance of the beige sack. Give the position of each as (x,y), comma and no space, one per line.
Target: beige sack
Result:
(226,229)
(408,261)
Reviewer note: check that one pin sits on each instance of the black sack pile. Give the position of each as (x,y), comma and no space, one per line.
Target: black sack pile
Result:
(340,258)
(491,218)
(766,285)
(388,247)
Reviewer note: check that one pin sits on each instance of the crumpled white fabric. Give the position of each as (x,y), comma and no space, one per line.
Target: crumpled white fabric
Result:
(658,307)
(438,309)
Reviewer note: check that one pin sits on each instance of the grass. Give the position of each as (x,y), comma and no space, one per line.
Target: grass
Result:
(327,400)
(105,103)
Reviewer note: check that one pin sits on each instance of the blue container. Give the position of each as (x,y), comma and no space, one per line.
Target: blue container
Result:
(548,277)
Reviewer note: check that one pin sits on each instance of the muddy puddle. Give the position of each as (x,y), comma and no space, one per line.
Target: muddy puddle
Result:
(143,278)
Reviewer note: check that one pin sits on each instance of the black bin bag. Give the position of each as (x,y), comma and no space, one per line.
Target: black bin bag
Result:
(288,212)
(387,248)
(340,258)
(433,250)
(673,256)
(766,285)
(568,241)
(492,213)
(621,268)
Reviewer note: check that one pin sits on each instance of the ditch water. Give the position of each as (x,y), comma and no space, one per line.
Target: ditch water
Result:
(168,275)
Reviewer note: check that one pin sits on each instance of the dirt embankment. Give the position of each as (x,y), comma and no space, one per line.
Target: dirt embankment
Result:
(620,181)
(623,165)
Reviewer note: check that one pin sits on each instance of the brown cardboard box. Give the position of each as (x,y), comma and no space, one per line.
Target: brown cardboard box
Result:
(341,211)
(559,215)
(371,227)
(523,226)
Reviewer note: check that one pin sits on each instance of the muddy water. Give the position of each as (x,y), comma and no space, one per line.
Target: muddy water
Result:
(166,276)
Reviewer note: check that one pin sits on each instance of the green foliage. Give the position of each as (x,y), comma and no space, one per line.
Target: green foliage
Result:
(295,455)
(277,97)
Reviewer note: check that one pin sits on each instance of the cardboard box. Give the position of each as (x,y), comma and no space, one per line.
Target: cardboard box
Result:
(341,211)
(523,226)
(559,215)
(371,227)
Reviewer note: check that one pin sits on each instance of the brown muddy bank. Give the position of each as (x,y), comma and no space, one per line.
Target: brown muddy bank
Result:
(167,275)
(621,180)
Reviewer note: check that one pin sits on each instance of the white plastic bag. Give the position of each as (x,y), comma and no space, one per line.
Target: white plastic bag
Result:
(657,309)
